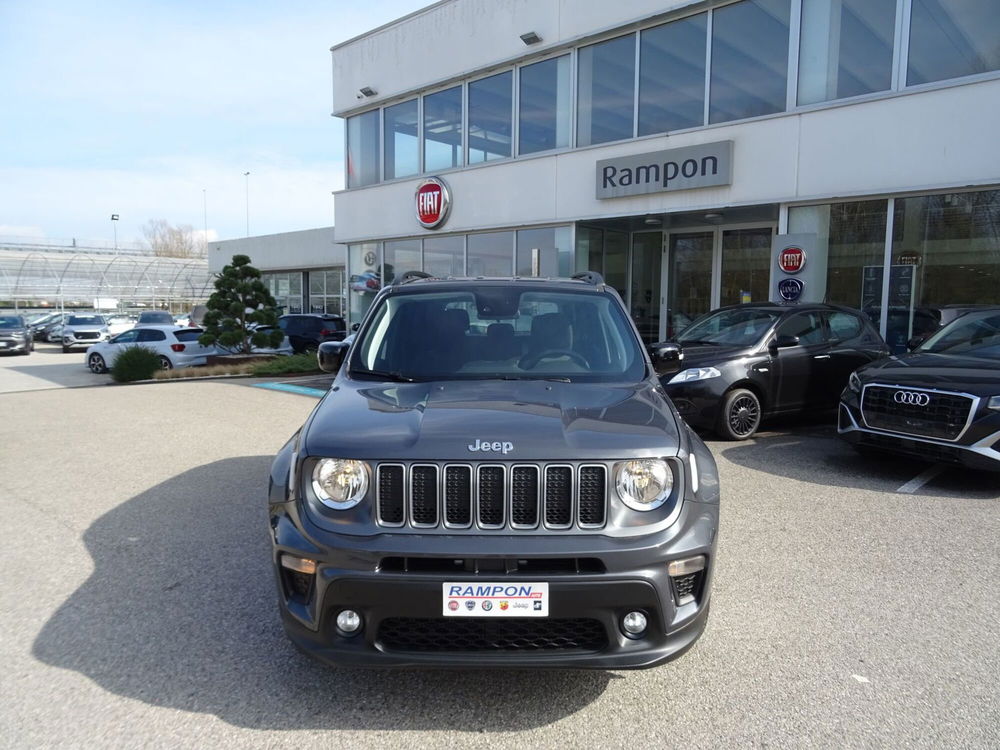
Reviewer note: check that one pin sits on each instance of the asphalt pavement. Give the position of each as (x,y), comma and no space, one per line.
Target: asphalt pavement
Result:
(852,607)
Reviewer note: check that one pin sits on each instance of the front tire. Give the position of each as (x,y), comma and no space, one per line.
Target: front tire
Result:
(96,364)
(165,363)
(740,415)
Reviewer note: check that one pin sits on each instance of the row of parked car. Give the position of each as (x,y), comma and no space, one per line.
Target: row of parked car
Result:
(734,367)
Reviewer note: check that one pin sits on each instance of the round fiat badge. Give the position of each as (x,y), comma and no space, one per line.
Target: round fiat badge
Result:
(433,201)
(792,259)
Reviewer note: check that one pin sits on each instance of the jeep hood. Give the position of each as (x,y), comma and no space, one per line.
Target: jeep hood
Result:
(541,420)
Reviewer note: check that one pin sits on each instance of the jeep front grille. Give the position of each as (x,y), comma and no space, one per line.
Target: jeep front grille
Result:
(491,496)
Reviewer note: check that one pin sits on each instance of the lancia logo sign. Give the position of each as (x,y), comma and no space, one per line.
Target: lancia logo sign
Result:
(790,290)
(913,398)
(432,202)
(792,259)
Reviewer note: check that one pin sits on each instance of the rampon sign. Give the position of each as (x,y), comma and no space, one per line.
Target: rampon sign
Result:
(705,165)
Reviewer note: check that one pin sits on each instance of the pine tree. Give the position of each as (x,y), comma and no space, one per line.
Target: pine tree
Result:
(238,307)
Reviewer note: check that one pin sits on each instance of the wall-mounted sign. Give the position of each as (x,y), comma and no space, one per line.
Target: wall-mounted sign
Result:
(791,289)
(791,259)
(705,165)
(908,259)
(432,202)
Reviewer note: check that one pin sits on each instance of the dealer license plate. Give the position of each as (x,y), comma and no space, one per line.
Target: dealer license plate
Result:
(495,599)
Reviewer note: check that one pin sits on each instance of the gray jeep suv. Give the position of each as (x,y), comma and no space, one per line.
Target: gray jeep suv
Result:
(495,478)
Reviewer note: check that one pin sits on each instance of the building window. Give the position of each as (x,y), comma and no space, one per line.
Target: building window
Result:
(326,292)
(443,129)
(491,102)
(444,255)
(399,257)
(402,153)
(749,59)
(672,76)
(365,279)
(845,48)
(543,252)
(544,98)
(491,254)
(949,39)
(605,91)
(286,288)
(362,149)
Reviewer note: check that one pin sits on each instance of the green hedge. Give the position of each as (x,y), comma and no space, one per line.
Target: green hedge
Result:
(135,363)
(296,364)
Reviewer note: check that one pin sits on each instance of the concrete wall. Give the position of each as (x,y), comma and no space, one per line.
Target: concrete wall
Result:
(309,248)
(905,142)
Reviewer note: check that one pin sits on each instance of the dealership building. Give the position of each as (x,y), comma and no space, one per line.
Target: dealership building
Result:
(696,154)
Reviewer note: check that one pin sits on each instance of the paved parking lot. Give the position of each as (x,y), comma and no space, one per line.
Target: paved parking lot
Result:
(138,604)
(46,367)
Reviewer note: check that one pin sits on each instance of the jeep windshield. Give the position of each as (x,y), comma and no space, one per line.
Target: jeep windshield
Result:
(498,332)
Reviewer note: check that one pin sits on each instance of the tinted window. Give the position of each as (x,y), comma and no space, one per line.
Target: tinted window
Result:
(490,117)
(544,107)
(11,321)
(150,334)
(491,254)
(974,335)
(85,320)
(499,332)
(402,154)
(127,337)
(672,76)
(362,149)
(605,91)
(807,326)
(188,334)
(749,59)
(949,38)
(443,129)
(843,326)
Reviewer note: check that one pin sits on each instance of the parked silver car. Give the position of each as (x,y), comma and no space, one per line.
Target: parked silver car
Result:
(177,347)
(83,330)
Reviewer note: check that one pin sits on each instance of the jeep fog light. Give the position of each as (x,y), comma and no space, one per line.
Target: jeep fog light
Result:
(634,623)
(644,484)
(340,483)
(348,621)
(299,564)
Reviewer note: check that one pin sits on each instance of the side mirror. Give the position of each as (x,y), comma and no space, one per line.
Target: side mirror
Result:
(355,327)
(666,357)
(330,355)
(783,341)
(915,342)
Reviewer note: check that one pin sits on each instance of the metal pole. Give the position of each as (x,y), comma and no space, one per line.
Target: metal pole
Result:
(204,203)
(246,175)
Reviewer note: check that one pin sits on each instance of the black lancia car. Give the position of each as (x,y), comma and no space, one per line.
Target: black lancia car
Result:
(495,478)
(939,402)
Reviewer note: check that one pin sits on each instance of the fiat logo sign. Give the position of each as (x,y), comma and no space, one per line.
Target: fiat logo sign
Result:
(792,259)
(433,201)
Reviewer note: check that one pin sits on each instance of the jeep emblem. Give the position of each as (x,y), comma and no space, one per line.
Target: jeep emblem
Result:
(496,446)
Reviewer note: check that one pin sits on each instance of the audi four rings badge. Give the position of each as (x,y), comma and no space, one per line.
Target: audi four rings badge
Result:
(911,397)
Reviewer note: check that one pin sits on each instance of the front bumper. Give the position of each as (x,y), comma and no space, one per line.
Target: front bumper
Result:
(15,345)
(72,341)
(698,401)
(978,447)
(619,576)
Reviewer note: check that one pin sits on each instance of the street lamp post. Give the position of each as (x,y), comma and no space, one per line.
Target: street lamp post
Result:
(114,225)
(246,176)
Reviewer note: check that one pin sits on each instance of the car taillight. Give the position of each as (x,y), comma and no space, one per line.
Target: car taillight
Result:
(325,332)
(177,347)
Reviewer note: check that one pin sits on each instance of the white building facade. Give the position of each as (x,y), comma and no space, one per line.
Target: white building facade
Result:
(681,148)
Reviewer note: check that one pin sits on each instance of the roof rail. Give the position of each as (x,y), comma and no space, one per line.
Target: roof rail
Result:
(407,276)
(590,277)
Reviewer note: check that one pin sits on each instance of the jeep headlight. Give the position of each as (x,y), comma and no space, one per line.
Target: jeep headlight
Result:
(694,373)
(854,382)
(645,483)
(340,483)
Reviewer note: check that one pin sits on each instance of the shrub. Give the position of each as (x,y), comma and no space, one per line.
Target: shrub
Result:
(135,363)
(295,364)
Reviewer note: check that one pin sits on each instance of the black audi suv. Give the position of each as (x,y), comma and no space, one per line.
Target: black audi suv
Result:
(939,402)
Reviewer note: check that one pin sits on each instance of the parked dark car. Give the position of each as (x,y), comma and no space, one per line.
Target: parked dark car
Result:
(307,331)
(495,480)
(155,318)
(736,365)
(940,402)
(15,336)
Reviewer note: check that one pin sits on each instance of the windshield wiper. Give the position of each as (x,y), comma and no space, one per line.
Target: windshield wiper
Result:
(697,341)
(394,375)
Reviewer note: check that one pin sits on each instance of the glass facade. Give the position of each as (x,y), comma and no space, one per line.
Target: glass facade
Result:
(402,146)
(491,254)
(443,129)
(746,266)
(399,257)
(544,98)
(491,113)
(543,252)
(845,48)
(605,82)
(362,149)
(444,255)
(286,288)
(749,59)
(672,76)
(326,291)
(952,38)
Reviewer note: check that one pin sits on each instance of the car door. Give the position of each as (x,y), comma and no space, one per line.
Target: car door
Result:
(118,343)
(153,339)
(293,329)
(801,372)
(850,347)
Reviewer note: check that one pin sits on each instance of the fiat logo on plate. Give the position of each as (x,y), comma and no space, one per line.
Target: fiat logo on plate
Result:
(433,202)
(911,397)
(792,259)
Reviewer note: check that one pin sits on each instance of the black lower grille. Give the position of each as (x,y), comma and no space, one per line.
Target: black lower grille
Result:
(916,448)
(687,587)
(488,634)
(916,412)
(86,335)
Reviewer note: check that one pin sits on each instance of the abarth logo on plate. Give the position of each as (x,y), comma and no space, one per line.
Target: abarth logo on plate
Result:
(504,605)
(913,398)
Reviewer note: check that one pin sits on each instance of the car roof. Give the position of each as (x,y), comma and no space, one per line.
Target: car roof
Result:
(160,327)
(776,307)
(434,283)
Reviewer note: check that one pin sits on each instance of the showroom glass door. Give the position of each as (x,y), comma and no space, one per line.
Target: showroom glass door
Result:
(746,265)
(645,300)
(689,278)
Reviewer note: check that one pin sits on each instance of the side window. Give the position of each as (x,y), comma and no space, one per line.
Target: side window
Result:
(807,326)
(843,326)
(127,337)
(151,334)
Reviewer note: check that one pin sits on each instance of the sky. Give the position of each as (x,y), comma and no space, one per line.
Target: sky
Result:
(155,110)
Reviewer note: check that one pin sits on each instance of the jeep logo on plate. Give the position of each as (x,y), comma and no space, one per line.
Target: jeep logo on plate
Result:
(496,446)
(911,397)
